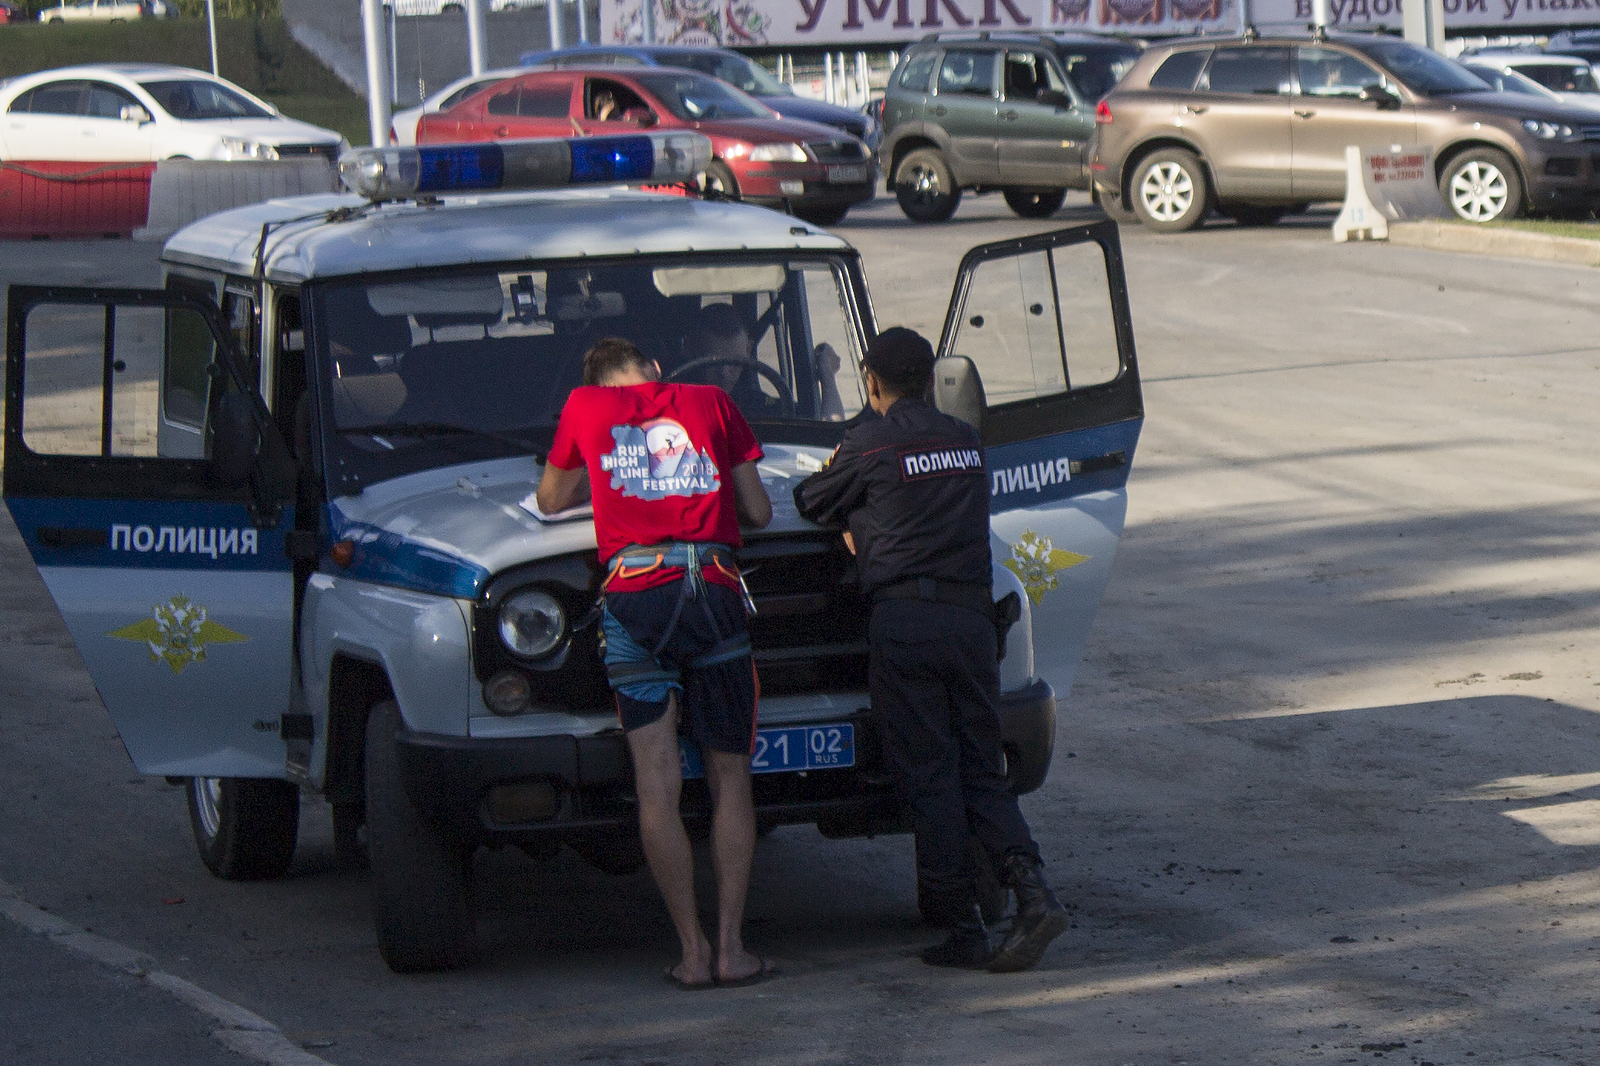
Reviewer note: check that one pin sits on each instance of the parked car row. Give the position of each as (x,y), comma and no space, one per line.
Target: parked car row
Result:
(98,11)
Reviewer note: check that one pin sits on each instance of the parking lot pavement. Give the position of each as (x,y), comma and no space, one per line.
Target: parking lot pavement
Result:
(1325,788)
(56,1008)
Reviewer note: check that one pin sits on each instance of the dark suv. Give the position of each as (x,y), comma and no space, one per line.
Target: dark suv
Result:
(1013,112)
(1256,126)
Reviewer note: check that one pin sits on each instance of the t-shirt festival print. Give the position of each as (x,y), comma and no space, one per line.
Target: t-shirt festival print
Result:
(658,456)
(657,459)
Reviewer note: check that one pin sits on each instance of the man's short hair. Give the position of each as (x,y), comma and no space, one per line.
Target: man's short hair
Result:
(611,355)
(902,359)
(720,320)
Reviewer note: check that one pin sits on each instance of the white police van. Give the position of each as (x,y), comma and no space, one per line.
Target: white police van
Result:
(284,502)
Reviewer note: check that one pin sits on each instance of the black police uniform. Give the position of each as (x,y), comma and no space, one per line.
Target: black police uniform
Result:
(911,488)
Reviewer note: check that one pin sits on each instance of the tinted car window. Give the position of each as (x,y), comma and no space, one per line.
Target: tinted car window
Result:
(54,98)
(970,73)
(107,101)
(1421,70)
(191,98)
(1572,79)
(462,93)
(741,73)
(1506,82)
(1096,71)
(549,100)
(1261,71)
(694,97)
(1180,69)
(917,71)
(1325,72)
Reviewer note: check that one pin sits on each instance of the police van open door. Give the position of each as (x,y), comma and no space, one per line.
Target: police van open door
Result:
(151,487)
(1044,320)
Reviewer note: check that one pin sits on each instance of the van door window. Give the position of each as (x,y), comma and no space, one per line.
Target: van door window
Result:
(89,378)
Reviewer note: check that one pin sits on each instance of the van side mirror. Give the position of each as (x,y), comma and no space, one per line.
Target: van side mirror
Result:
(1054,98)
(958,390)
(1383,98)
(234,440)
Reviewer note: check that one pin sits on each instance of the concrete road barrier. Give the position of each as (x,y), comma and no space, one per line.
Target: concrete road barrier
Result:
(183,190)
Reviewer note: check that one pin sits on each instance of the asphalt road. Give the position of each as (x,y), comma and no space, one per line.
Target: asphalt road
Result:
(1325,789)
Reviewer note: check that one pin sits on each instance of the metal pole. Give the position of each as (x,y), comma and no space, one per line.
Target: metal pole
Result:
(476,49)
(827,76)
(649,21)
(378,113)
(554,8)
(1319,13)
(583,21)
(211,18)
(391,25)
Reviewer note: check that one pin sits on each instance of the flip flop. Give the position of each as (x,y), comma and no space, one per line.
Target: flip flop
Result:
(768,969)
(687,986)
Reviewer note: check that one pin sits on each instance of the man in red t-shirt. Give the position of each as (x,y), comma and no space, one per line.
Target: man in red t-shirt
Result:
(671,469)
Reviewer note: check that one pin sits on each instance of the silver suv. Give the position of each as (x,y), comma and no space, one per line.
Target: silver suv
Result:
(1257,126)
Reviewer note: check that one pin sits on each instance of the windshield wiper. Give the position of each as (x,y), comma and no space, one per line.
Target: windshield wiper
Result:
(437,429)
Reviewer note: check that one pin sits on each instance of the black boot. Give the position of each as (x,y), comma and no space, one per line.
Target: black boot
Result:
(1040,916)
(967,946)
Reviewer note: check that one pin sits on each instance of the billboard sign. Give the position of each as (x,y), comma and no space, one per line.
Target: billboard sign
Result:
(855,24)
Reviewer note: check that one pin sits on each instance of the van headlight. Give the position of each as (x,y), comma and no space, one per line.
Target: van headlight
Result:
(532,624)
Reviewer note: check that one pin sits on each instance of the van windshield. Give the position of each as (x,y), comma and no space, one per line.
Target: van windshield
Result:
(432,371)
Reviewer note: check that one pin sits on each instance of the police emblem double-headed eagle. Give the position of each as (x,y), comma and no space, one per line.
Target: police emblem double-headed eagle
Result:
(1036,561)
(178,633)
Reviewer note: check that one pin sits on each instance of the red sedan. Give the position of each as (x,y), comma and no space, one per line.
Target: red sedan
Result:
(816,170)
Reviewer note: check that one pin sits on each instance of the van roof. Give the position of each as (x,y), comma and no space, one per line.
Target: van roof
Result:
(336,235)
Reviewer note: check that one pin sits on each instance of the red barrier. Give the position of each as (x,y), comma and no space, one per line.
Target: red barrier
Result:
(60,199)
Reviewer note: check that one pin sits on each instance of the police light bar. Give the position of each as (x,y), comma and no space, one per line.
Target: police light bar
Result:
(632,159)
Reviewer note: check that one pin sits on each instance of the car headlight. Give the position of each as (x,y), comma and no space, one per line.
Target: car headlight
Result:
(1547,131)
(236,148)
(532,624)
(786,152)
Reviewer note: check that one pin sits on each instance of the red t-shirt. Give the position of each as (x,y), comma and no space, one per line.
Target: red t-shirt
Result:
(659,457)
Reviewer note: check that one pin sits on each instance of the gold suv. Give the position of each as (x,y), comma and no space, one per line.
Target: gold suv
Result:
(1256,127)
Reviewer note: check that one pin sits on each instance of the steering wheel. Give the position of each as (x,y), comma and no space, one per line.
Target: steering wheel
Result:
(785,397)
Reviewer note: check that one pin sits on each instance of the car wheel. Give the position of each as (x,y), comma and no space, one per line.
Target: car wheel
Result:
(421,898)
(1035,203)
(1481,185)
(1254,214)
(245,828)
(826,215)
(1170,194)
(718,182)
(925,187)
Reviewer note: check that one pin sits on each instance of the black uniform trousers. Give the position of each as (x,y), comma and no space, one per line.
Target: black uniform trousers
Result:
(935,697)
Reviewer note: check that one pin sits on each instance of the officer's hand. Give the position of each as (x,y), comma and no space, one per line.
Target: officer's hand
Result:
(828,361)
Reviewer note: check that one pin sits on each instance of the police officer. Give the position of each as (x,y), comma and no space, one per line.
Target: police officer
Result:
(911,490)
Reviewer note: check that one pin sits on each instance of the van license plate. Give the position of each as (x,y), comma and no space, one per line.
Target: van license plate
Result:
(847,175)
(790,748)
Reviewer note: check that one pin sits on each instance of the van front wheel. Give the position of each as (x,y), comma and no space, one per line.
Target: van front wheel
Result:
(244,828)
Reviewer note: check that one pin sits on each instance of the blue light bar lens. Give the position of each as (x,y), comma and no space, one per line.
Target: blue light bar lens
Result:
(612,159)
(451,168)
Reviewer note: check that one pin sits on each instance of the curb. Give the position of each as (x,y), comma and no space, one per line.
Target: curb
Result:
(240,1031)
(1479,240)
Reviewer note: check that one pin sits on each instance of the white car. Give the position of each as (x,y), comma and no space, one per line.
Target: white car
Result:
(1507,79)
(1571,78)
(92,10)
(124,112)
(403,125)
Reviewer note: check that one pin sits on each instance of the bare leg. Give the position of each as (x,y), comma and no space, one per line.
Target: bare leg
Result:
(733,842)
(659,780)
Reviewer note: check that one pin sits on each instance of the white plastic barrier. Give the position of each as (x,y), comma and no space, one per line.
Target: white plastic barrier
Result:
(1393,183)
(183,190)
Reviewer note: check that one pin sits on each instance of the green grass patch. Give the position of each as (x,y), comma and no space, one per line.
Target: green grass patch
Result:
(256,54)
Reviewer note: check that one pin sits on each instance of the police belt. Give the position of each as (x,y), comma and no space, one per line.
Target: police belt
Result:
(968,594)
